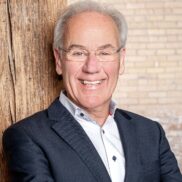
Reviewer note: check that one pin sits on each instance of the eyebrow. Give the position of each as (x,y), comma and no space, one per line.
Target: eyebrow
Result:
(83,47)
(106,46)
(76,46)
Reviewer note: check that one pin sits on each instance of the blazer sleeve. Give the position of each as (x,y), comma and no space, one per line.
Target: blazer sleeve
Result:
(26,161)
(169,168)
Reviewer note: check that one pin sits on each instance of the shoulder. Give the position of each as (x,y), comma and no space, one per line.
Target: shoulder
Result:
(38,125)
(30,121)
(27,127)
(142,124)
(140,119)
(146,132)
(37,121)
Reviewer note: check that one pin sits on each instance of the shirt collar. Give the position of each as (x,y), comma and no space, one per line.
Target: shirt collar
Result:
(79,112)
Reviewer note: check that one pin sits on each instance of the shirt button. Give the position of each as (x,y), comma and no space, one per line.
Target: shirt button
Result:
(81,114)
(103,131)
(114,158)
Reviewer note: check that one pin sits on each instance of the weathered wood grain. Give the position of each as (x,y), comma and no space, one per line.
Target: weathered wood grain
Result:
(28,82)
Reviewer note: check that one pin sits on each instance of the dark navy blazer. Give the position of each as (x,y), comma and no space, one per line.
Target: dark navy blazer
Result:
(51,146)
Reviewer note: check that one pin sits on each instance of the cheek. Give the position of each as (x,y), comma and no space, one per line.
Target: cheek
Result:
(112,71)
(70,72)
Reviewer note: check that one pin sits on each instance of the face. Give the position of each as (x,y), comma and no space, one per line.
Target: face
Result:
(90,84)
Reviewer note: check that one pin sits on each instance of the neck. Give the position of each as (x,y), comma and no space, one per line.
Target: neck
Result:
(99,115)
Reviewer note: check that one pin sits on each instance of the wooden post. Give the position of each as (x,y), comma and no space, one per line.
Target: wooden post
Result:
(28,82)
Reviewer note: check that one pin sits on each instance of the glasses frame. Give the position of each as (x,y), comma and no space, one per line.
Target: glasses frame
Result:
(89,52)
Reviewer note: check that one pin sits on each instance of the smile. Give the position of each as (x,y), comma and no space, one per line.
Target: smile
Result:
(86,82)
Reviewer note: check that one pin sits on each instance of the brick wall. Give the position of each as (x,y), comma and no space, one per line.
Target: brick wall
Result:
(152,83)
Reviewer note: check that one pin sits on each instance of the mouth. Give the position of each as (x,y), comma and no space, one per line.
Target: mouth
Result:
(91,84)
(87,82)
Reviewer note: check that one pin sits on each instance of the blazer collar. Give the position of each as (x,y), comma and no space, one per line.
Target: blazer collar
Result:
(128,134)
(70,130)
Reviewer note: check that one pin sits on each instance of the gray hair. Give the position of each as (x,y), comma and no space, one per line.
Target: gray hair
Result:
(85,6)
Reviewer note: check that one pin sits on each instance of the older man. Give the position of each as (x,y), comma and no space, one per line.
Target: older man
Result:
(82,137)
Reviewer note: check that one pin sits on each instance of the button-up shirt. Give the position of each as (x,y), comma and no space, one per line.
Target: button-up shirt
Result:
(106,138)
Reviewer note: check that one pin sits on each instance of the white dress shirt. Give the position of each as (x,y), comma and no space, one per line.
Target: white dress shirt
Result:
(106,138)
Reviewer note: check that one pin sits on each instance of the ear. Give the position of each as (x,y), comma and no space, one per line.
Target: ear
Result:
(58,62)
(122,61)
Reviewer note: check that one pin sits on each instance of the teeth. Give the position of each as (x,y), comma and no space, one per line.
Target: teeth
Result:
(91,82)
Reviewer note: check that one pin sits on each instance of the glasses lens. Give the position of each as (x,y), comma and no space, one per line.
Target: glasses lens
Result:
(77,54)
(108,54)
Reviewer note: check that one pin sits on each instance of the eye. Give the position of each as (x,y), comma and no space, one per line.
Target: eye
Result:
(104,53)
(77,53)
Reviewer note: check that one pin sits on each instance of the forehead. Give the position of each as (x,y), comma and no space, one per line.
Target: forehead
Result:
(91,26)
(88,16)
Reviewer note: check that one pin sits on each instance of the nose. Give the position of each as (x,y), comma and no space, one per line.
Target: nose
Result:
(92,65)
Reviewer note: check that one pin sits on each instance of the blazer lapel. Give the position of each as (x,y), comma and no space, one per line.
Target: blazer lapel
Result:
(70,130)
(127,130)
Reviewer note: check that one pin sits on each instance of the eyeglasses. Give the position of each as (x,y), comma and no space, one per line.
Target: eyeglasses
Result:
(80,54)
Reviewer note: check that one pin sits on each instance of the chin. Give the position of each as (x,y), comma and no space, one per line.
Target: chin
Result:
(92,103)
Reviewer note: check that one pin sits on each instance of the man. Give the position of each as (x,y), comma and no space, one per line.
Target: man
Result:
(82,136)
